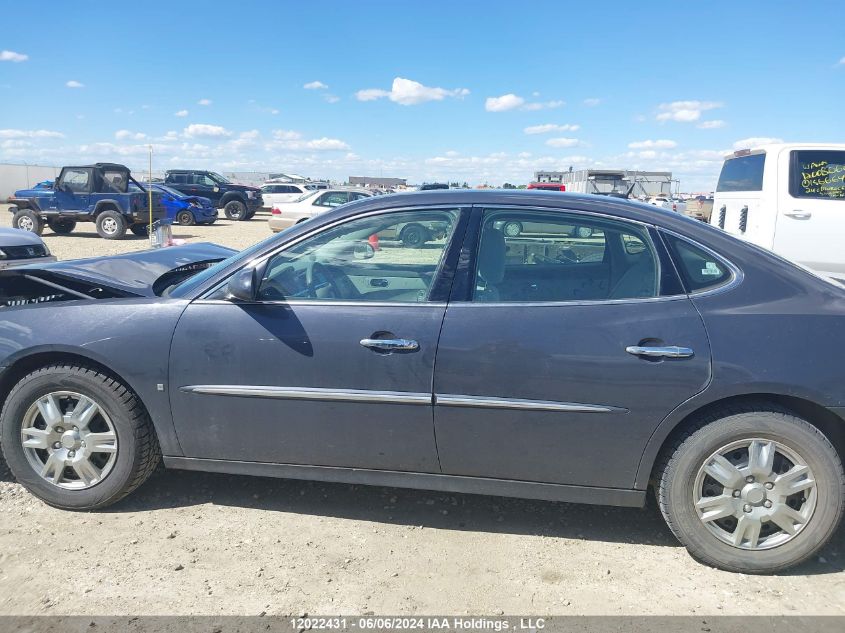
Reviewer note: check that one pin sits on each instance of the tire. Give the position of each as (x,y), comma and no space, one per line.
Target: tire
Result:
(111,225)
(413,236)
(28,220)
(185,218)
(61,227)
(141,230)
(235,210)
(512,229)
(770,548)
(135,445)
(250,214)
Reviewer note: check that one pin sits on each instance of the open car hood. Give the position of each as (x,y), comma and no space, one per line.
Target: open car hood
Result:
(130,273)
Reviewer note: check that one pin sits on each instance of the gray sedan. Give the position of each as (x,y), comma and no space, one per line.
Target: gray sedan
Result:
(18,248)
(646,351)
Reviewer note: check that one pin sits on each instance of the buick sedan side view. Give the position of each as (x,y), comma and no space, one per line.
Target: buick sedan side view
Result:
(604,349)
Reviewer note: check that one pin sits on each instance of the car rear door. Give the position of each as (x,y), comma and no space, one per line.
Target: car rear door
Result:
(811,209)
(561,354)
(331,365)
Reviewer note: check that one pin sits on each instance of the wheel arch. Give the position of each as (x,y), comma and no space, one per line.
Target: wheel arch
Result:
(230,196)
(828,422)
(36,359)
(106,205)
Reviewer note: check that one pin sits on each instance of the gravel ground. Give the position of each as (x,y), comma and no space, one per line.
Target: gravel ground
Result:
(194,543)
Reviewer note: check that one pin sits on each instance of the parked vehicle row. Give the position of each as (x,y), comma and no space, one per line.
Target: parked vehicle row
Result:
(658,353)
(238,202)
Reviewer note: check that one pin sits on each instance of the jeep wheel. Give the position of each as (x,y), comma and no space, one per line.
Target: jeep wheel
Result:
(111,225)
(754,489)
(235,210)
(28,220)
(61,227)
(77,438)
(141,230)
(185,218)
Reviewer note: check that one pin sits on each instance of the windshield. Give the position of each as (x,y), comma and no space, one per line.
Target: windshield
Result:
(221,179)
(168,190)
(181,289)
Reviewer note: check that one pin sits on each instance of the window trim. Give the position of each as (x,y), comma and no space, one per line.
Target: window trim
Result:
(468,267)
(439,290)
(735,279)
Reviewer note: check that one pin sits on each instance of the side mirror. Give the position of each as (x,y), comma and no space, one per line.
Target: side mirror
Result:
(363,250)
(241,286)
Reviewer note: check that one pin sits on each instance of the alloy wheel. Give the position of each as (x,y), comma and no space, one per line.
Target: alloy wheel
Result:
(109,226)
(25,223)
(69,440)
(755,494)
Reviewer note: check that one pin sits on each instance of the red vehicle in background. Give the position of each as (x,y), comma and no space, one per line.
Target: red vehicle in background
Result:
(547,186)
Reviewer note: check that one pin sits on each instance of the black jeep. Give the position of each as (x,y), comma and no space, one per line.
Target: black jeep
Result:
(239,202)
(96,193)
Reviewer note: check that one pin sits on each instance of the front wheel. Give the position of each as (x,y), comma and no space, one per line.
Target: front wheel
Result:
(752,490)
(76,437)
(111,225)
(28,220)
(185,218)
(235,210)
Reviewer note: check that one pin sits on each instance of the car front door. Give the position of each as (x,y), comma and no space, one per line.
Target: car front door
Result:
(332,362)
(560,355)
(73,189)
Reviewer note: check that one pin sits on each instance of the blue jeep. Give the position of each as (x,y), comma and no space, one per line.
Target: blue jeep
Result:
(96,193)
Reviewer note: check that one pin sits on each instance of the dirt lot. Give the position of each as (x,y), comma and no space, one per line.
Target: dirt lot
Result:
(191,543)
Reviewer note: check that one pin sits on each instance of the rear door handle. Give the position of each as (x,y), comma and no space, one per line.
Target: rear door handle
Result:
(799,215)
(670,351)
(390,344)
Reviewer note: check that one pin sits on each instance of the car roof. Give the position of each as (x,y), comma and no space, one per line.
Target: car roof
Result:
(114,166)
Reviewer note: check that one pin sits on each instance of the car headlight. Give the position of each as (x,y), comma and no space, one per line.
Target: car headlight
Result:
(2,254)
(250,194)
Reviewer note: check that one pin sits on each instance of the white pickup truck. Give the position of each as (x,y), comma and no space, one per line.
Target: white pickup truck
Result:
(789,198)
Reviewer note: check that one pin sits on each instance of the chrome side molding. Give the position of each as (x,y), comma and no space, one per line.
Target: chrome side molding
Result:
(311,393)
(454,400)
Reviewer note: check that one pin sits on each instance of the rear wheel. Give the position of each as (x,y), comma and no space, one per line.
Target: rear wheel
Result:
(28,220)
(111,225)
(61,227)
(412,236)
(77,438)
(752,490)
(235,210)
(185,218)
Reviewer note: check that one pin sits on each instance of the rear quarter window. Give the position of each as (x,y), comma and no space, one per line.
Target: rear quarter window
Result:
(817,174)
(699,269)
(743,173)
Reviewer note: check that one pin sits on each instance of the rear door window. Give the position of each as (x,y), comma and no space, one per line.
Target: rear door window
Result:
(743,173)
(817,174)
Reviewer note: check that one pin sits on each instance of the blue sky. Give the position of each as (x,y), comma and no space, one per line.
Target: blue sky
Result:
(476,91)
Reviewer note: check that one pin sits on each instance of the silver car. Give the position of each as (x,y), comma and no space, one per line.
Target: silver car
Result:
(19,247)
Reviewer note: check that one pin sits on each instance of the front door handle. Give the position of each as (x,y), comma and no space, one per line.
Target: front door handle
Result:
(670,351)
(390,344)
(799,215)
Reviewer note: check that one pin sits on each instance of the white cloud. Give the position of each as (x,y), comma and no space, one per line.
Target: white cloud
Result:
(181,113)
(327,144)
(204,102)
(546,105)
(563,142)
(292,140)
(12,56)
(841,62)
(205,130)
(315,85)
(659,144)
(504,103)
(685,111)
(409,92)
(551,127)
(74,84)
(286,135)
(123,135)
(592,102)
(711,125)
(755,141)
(10,133)
(331,98)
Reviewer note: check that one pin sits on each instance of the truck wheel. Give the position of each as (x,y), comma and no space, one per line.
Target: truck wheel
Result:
(111,225)
(413,235)
(235,210)
(185,218)
(61,227)
(250,214)
(753,489)
(141,230)
(28,220)
(76,437)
